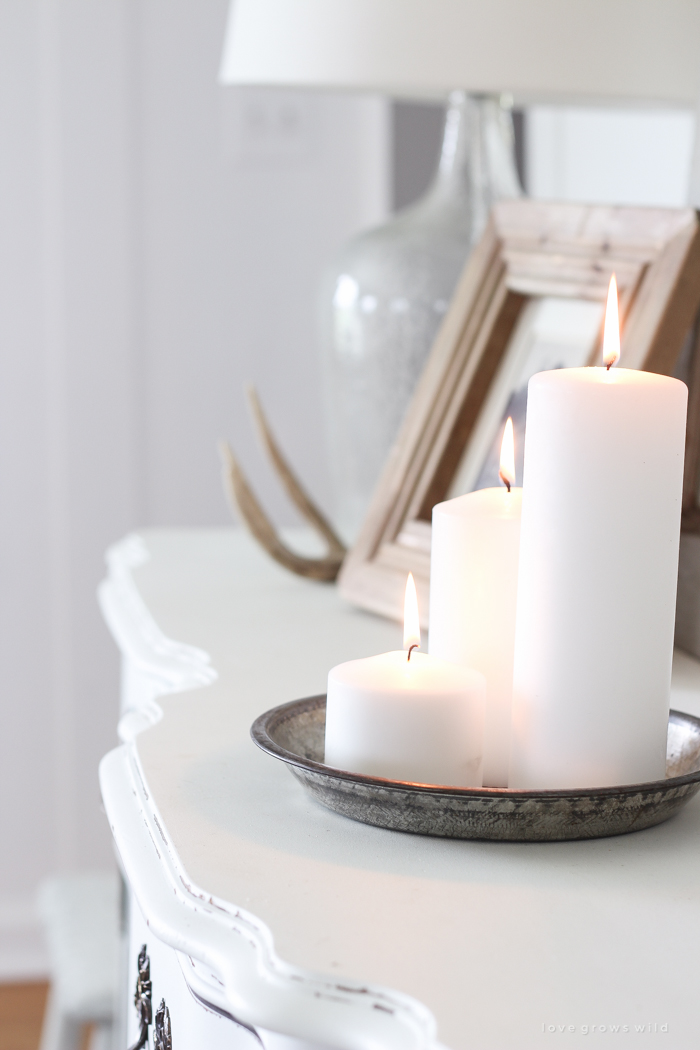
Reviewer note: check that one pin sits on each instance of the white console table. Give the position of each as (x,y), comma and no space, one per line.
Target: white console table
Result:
(268,918)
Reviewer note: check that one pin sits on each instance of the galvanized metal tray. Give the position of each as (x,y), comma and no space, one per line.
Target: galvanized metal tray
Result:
(295,733)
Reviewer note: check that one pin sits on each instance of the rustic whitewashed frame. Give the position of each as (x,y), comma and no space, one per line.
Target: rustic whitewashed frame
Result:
(529,249)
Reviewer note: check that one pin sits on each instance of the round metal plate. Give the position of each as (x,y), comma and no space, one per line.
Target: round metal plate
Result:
(295,734)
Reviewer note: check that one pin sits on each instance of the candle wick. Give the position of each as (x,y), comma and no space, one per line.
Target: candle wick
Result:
(414,646)
(609,365)
(504,479)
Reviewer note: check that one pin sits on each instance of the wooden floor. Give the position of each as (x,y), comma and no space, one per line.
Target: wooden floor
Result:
(21,1014)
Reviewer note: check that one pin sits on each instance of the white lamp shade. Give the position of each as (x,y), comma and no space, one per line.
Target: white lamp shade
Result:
(539,50)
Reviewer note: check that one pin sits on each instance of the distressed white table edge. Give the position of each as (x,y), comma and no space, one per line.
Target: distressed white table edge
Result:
(252,982)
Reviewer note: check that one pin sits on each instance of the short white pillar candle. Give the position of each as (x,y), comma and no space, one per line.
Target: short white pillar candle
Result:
(406,716)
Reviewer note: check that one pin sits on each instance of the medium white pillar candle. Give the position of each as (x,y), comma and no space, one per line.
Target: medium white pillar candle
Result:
(418,719)
(597,584)
(473,587)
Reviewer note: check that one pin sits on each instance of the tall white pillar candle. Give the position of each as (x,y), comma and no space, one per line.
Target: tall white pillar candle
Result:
(597,583)
(406,716)
(473,586)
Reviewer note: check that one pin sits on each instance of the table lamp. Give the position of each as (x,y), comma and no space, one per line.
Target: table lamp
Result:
(389,287)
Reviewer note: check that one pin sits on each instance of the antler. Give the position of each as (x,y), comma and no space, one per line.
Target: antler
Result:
(244,501)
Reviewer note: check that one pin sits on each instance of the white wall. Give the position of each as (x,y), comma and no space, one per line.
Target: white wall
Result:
(620,156)
(65,454)
(245,194)
(161,243)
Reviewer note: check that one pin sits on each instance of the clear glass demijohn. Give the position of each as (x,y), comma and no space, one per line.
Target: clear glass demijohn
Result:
(385,295)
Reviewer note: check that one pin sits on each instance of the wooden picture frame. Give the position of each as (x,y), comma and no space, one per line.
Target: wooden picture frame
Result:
(530,250)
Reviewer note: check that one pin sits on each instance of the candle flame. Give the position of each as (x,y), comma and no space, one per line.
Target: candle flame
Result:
(411,623)
(507,471)
(611,334)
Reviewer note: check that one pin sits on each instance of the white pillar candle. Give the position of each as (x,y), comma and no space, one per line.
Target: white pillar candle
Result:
(597,585)
(473,587)
(406,716)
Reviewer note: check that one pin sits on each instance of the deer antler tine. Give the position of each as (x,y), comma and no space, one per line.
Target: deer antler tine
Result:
(244,502)
(296,492)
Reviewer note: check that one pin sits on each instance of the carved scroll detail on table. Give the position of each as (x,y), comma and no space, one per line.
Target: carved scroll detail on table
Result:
(162,1037)
(142,998)
(245,503)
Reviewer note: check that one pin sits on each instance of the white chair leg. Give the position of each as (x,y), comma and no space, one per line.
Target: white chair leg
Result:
(59,1031)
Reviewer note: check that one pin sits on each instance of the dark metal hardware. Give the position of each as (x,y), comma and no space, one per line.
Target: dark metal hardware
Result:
(142,999)
(162,1039)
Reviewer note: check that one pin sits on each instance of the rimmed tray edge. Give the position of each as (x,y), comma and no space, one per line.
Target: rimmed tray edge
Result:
(261,736)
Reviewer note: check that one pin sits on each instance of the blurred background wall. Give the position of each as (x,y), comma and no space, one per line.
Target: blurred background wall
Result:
(160,244)
(161,241)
